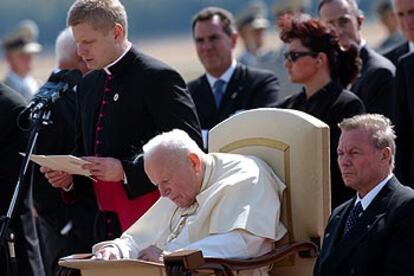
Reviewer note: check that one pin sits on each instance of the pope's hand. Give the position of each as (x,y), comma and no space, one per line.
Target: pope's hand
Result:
(107,253)
(151,253)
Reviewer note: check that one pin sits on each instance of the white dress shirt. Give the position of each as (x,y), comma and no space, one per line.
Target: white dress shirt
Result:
(369,197)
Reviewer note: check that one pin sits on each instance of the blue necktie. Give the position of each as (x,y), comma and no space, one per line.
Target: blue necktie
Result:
(218,91)
(353,217)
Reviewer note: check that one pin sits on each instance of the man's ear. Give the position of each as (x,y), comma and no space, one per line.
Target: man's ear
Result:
(234,37)
(195,161)
(360,20)
(118,32)
(386,154)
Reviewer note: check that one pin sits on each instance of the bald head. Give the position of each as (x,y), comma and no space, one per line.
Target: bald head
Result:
(175,164)
(345,17)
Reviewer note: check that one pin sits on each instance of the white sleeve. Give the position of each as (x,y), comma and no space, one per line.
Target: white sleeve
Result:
(125,245)
(234,244)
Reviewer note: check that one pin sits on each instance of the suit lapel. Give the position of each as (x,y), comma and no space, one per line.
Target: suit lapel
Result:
(333,234)
(405,48)
(234,88)
(376,210)
(364,55)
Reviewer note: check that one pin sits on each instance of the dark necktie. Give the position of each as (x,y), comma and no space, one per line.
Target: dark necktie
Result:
(218,91)
(353,217)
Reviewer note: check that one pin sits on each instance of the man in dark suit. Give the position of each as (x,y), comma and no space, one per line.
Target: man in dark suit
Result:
(395,53)
(371,234)
(404,11)
(403,118)
(13,141)
(127,99)
(241,88)
(385,13)
(375,84)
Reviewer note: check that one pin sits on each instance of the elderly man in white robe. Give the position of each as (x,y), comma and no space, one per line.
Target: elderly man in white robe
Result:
(225,205)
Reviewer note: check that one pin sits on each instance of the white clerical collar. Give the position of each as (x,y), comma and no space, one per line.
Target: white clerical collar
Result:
(226,76)
(369,197)
(106,68)
(410,47)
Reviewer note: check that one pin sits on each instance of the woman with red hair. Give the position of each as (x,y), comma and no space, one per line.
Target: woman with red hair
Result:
(316,60)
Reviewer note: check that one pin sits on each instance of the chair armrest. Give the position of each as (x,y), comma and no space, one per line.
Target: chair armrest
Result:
(193,260)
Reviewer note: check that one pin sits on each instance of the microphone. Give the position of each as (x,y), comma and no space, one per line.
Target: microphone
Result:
(57,84)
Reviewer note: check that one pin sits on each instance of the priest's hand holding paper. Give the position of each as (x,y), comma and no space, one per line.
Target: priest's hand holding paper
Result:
(104,168)
(97,168)
(58,179)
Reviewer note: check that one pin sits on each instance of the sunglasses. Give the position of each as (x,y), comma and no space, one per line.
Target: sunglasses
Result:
(293,56)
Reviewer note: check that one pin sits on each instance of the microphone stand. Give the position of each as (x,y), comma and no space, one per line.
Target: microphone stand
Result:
(39,117)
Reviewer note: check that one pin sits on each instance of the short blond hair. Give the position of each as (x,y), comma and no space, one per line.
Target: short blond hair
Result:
(101,14)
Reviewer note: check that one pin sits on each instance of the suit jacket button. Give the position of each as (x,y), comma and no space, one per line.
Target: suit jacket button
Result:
(116,97)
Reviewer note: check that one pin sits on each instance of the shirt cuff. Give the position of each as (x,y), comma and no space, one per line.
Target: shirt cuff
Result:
(125,180)
(69,188)
(116,250)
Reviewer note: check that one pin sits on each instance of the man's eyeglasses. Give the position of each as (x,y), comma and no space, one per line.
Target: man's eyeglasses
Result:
(293,56)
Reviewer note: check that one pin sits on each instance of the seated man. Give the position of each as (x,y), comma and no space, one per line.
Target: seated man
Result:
(225,205)
(371,234)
